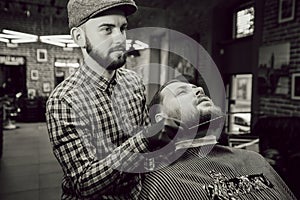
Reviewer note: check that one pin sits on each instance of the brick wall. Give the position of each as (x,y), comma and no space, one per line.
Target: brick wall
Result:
(40,25)
(274,33)
(45,69)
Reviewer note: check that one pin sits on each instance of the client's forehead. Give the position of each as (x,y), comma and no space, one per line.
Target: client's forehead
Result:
(173,87)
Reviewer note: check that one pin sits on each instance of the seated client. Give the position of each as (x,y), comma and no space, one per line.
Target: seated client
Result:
(205,170)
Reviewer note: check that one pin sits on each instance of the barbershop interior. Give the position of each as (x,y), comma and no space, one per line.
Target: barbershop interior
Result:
(246,51)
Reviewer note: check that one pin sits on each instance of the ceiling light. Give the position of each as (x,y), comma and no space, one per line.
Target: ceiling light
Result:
(72,45)
(23,41)
(18,33)
(136,45)
(9,36)
(57,36)
(4,40)
(43,40)
(59,40)
(141,44)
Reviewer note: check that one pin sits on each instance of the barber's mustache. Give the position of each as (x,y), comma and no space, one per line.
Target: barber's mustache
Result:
(118,48)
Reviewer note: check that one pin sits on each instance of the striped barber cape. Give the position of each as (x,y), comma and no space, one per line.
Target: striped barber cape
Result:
(224,173)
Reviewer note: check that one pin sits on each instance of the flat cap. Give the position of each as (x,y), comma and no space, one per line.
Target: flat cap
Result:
(80,11)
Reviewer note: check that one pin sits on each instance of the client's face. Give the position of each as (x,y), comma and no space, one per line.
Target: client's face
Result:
(188,103)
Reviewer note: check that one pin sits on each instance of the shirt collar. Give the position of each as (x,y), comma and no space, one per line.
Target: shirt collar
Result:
(191,143)
(99,81)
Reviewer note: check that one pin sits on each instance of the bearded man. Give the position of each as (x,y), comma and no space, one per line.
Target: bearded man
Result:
(204,169)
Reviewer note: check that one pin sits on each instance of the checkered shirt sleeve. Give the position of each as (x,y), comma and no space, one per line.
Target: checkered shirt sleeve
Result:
(88,140)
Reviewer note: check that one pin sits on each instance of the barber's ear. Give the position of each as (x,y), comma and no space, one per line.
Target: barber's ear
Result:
(159,117)
(78,36)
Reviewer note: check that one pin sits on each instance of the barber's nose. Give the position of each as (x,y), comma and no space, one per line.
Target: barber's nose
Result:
(198,91)
(119,37)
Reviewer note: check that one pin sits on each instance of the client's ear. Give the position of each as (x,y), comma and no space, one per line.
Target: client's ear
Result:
(159,117)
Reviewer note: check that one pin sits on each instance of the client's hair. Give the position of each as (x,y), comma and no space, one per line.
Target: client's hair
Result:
(154,105)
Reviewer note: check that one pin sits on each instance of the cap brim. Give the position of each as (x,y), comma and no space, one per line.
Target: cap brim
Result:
(127,8)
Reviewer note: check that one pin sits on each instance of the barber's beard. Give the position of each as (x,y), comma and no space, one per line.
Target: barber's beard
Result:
(105,62)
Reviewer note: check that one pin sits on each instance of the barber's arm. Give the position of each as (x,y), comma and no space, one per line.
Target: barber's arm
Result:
(73,147)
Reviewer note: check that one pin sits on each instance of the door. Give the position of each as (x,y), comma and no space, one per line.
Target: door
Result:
(12,79)
(239,97)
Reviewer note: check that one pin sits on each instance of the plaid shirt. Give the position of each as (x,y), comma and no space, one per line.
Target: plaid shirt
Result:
(92,124)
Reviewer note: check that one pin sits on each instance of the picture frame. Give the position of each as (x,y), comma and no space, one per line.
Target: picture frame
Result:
(41,55)
(282,86)
(286,11)
(295,81)
(243,89)
(275,56)
(31,93)
(181,66)
(34,75)
(46,87)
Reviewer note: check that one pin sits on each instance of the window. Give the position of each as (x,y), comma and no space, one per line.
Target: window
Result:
(244,22)
(239,99)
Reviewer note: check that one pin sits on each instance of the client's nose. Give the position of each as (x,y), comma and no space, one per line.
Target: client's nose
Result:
(199,91)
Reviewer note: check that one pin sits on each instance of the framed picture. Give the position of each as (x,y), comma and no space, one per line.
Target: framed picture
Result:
(243,88)
(31,93)
(41,55)
(286,10)
(34,75)
(181,65)
(46,87)
(275,56)
(282,87)
(295,89)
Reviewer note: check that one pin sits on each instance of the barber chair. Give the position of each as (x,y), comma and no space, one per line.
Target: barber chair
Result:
(279,143)
(10,111)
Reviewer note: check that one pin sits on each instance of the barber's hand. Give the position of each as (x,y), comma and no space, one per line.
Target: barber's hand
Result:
(161,133)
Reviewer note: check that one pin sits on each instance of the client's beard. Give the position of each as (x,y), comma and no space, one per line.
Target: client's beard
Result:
(196,118)
(212,113)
